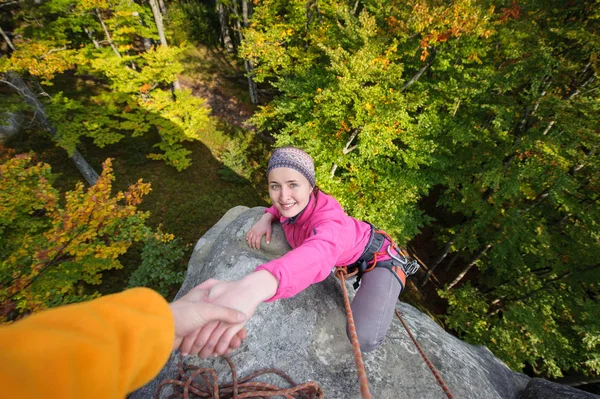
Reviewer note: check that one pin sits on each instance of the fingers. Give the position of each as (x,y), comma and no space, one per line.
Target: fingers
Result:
(209,311)
(235,343)
(202,338)
(215,339)
(257,241)
(269,235)
(253,240)
(250,239)
(188,341)
(225,341)
(237,340)
(194,343)
(253,237)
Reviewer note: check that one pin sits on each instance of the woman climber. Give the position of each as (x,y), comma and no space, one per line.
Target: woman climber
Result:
(322,236)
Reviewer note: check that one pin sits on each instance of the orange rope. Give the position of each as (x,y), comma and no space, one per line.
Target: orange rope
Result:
(208,387)
(435,372)
(342,273)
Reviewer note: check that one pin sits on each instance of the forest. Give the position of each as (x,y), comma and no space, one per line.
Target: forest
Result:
(467,129)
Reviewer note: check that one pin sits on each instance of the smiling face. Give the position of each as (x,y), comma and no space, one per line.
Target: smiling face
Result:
(289,191)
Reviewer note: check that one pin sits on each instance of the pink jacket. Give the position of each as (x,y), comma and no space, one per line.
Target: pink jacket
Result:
(322,236)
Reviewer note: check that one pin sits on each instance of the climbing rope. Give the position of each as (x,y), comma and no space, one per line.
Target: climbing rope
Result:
(342,274)
(435,372)
(188,384)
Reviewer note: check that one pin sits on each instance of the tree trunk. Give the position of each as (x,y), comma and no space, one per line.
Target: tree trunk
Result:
(161,33)
(163,7)
(14,80)
(159,22)
(469,266)
(578,380)
(437,262)
(525,297)
(452,261)
(107,34)
(347,149)
(90,34)
(7,39)
(225,34)
(247,63)
(421,71)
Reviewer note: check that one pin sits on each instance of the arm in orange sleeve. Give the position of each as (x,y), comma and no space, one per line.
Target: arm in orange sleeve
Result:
(104,348)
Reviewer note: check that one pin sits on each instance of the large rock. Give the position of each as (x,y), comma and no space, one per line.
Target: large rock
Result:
(305,335)
(538,388)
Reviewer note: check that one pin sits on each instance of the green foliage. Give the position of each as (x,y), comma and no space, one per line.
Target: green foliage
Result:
(133,84)
(542,329)
(49,247)
(495,105)
(236,162)
(158,270)
(193,20)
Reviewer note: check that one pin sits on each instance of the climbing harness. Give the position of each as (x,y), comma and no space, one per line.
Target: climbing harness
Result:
(400,263)
(187,385)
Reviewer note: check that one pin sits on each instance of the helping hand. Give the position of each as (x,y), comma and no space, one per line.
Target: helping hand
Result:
(193,311)
(217,338)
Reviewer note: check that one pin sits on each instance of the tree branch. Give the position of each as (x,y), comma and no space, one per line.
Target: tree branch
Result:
(7,39)
(90,34)
(16,82)
(107,34)
(421,71)
(438,261)
(54,50)
(469,266)
(347,149)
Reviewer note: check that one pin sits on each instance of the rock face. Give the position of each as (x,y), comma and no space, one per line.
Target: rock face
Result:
(538,388)
(305,335)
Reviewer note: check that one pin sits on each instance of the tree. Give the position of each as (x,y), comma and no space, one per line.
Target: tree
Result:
(231,18)
(47,248)
(101,40)
(17,83)
(494,105)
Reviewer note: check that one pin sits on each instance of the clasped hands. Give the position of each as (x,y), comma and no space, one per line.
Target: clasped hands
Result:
(210,319)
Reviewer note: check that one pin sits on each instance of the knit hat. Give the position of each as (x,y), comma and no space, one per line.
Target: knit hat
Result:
(295,158)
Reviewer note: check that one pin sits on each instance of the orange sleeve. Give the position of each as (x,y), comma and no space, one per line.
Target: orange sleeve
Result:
(103,348)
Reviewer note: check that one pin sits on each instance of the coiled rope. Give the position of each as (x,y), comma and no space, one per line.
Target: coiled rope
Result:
(188,385)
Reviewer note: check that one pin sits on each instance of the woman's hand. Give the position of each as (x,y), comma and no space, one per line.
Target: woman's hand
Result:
(192,312)
(261,228)
(218,338)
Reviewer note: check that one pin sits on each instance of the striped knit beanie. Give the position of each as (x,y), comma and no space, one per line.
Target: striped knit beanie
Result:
(295,158)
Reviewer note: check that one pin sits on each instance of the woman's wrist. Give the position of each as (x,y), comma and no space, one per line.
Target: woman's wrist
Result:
(262,283)
(267,217)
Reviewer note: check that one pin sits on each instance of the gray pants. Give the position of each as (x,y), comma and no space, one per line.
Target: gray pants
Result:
(373,307)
